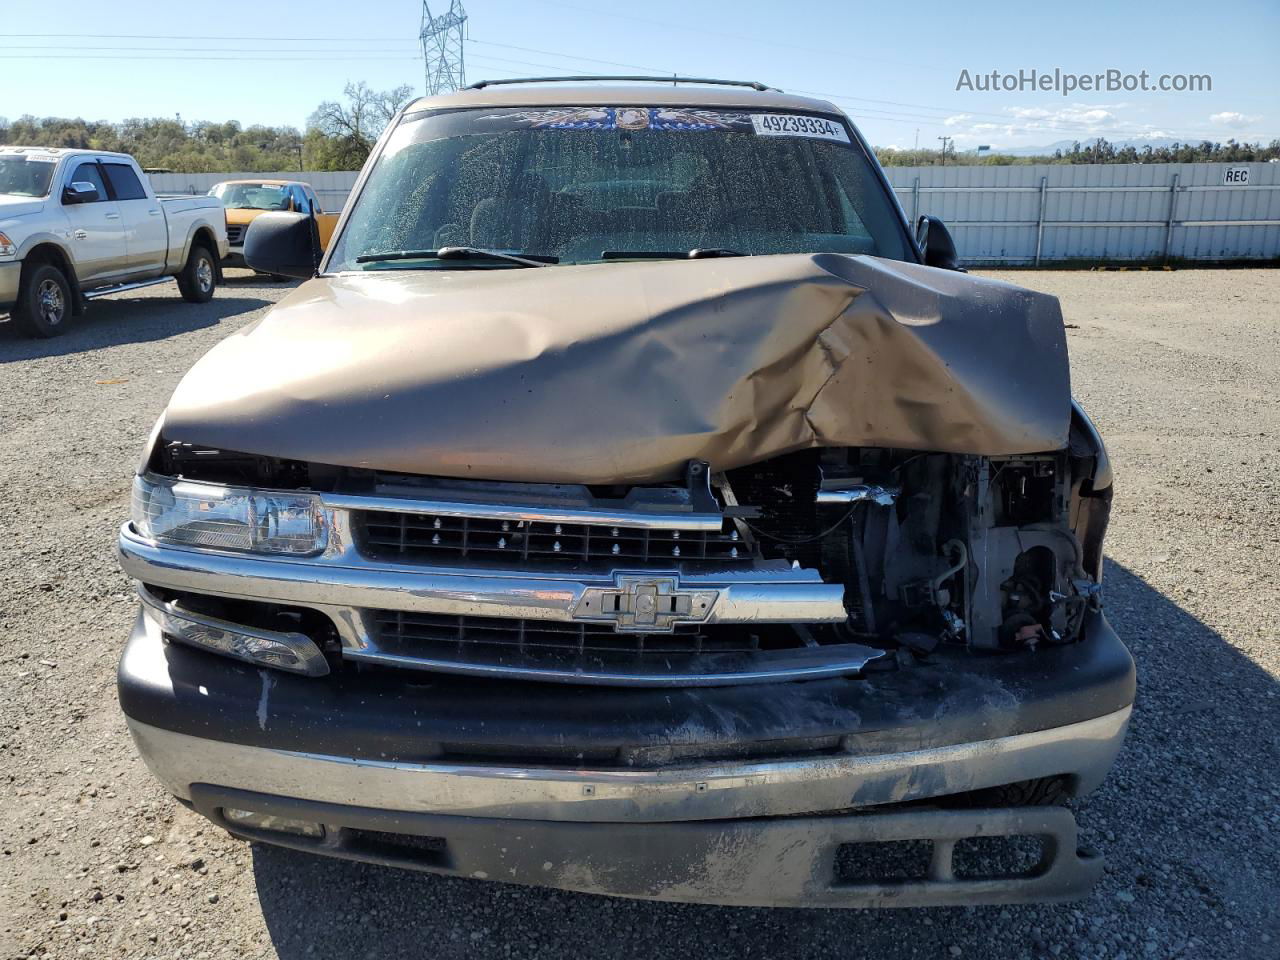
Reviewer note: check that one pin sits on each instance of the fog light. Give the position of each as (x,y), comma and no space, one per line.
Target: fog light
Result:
(282,650)
(255,820)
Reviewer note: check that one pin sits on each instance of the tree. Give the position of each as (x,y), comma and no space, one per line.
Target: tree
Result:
(350,129)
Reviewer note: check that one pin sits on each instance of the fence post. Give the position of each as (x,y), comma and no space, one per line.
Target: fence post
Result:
(1044,185)
(1173,210)
(915,202)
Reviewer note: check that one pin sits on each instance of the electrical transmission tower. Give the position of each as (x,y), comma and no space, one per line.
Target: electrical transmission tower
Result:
(442,38)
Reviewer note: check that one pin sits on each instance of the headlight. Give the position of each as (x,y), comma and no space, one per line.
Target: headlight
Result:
(192,514)
(7,247)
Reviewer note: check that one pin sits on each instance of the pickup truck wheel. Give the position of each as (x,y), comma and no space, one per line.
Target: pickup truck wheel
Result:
(198,278)
(44,302)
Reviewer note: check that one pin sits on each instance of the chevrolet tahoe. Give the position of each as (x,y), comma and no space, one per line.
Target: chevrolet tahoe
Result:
(632,501)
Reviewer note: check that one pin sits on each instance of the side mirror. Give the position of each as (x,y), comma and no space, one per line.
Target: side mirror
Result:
(934,240)
(81,191)
(284,243)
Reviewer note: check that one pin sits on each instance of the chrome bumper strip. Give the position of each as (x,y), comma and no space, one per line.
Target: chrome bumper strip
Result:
(771,666)
(1083,750)
(352,583)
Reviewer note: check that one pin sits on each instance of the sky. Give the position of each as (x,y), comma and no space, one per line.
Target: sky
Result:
(893,67)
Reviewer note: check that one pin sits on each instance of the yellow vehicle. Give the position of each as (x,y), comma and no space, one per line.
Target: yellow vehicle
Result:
(245,200)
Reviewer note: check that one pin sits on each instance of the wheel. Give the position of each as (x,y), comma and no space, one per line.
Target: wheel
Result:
(44,302)
(198,277)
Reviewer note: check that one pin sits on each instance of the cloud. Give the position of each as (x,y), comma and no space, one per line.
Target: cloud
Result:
(1093,115)
(1234,120)
(1040,125)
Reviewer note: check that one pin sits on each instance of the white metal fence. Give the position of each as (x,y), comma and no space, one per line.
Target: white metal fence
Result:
(1100,212)
(1032,214)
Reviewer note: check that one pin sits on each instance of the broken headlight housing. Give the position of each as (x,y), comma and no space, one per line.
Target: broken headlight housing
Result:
(192,514)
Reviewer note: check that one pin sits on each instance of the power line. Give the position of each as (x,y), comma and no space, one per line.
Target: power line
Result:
(73,47)
(271,59)
(1064,126)
(566,56)
(211,39)
(684,28)
(860,112)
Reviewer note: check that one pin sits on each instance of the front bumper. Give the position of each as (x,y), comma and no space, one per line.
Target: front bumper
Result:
(10,279)
(767,862)
(725,795)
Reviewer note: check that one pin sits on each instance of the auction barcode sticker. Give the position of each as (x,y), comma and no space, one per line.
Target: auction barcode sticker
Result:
(794,125)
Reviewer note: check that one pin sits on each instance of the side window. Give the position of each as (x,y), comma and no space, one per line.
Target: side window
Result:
(125,182)
(89,173)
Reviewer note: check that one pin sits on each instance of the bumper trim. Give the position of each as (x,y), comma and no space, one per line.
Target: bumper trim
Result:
(789,862)
(709,791)
(349,583)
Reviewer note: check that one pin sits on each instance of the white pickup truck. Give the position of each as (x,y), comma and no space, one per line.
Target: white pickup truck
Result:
(79,224)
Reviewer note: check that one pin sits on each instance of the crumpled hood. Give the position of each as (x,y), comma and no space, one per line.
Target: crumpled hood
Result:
(622,372)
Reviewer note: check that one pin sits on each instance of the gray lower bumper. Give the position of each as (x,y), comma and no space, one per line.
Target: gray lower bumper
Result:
(851,860)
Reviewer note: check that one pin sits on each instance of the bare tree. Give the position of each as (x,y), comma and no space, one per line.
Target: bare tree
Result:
(355,124)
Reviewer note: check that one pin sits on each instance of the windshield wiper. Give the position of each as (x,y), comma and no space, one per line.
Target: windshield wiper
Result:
(697,253)
(460,253)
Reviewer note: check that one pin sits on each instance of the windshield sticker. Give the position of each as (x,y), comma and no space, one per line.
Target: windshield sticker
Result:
(793,125)
(663,119)
(40,158)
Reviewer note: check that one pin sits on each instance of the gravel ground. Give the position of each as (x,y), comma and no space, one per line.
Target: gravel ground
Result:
(1179,369)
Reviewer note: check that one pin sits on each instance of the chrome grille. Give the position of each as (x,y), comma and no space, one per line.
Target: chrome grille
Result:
(420,632)
(587,653)
(235,234)
(424,538)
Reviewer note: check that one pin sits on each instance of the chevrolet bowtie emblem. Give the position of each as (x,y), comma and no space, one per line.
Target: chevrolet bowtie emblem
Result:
(639,603)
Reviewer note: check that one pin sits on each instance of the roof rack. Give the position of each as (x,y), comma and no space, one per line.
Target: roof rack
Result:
(753,84)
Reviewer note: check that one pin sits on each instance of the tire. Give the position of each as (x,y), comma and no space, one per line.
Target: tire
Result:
(199,277)
(44,302)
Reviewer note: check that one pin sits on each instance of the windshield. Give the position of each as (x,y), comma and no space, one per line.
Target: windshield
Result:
(26,174)
(585,184)
(252,196)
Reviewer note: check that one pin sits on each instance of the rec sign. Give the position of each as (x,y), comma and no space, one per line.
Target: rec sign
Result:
(1235,177)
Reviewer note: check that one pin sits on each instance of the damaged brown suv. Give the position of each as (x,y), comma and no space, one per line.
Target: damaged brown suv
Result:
(631,502)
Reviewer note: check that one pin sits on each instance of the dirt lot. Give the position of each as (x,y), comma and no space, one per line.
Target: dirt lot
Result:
(1181,371)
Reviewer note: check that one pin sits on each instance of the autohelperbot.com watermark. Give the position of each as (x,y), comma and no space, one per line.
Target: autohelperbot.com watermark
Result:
(1067,83)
